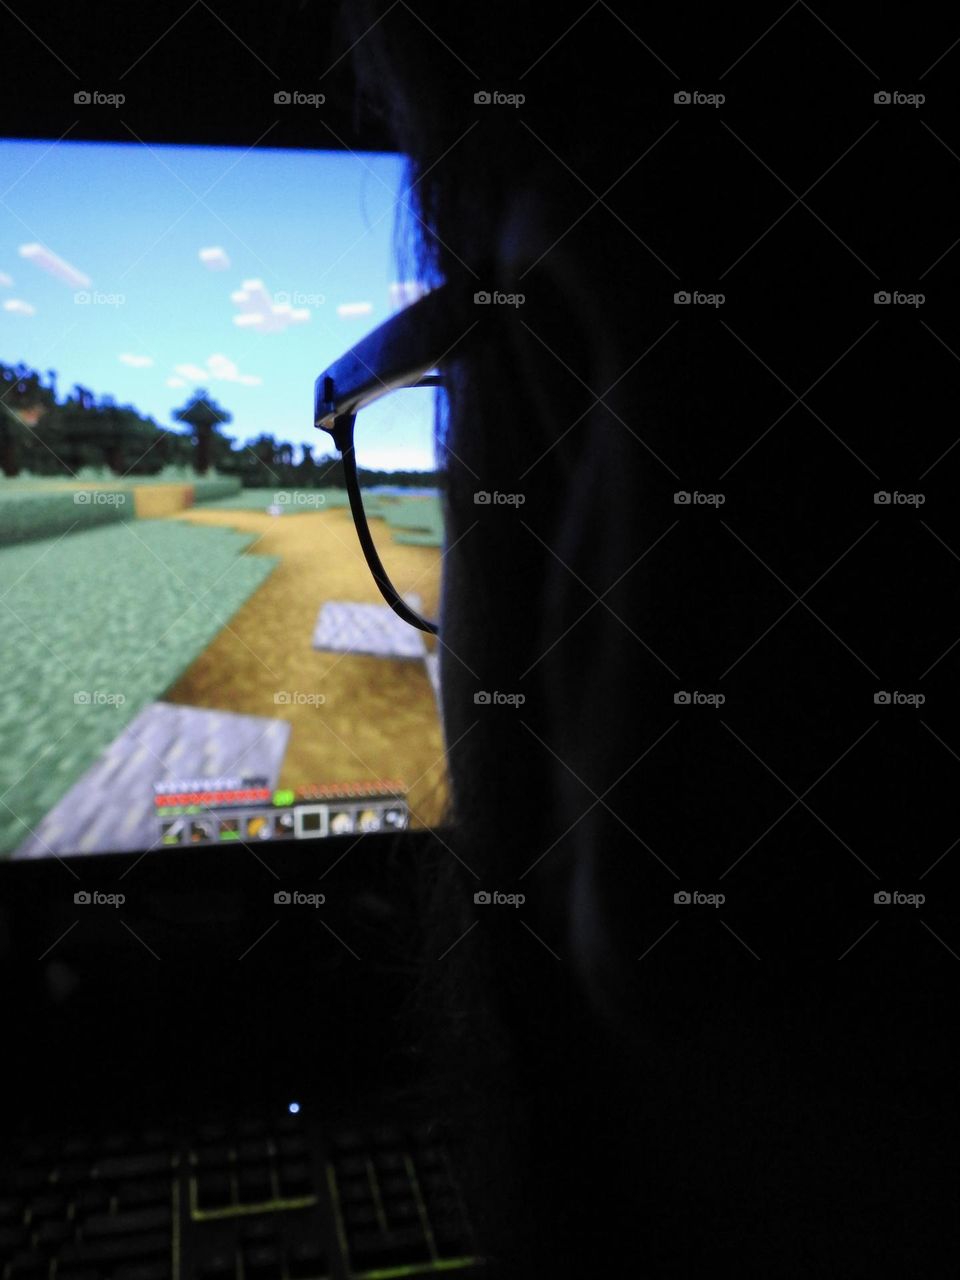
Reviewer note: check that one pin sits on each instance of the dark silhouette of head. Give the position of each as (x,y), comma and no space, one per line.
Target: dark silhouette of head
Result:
(639,1090)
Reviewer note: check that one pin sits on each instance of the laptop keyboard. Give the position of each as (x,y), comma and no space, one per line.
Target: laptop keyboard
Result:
(250,1200)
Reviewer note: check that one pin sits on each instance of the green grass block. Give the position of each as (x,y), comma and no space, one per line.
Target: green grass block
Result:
(117,612)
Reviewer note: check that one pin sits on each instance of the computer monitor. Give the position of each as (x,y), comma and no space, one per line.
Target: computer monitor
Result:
(193,649)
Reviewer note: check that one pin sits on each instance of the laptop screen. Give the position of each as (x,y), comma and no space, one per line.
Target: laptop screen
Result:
(193,649)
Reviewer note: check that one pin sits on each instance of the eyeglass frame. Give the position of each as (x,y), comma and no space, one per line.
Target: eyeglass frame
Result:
(401,353)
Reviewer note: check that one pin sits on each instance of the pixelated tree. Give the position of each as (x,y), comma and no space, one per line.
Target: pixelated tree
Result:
(308,466)
(82,437)
(13,433)
(131,441)
(84,431)
(329,472)
(264,450)
(25,402)
(204,417)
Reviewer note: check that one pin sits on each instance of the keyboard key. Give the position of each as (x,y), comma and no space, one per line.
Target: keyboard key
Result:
(126,1224)
(91,1200)
(11,1210)
(396,1185)
(389,1161)
(217,1156)
(101,1253)
(351,1166)
(355,1191)
(155,1138)
(213,1132)
(400,1212)
(435,1180)
(50,1206)
(359,1216)
(29,1266)
(443,1206)
(386,1136)
(213,1191)
(251,1128)
(427,1134)
(253,1184)
(217,1265)
(253,1151)
(265,1230)
(73,1273)
(160,1269)
(144,1192)
(142,1166)
(295,1179)
(31,1181)
(292,1145)
(450,1234)
(306,1261)
(388,1248)
(52,1234)
(262,1262)
(347,1141)
(74,1174)
(431,1158)
(11,1238)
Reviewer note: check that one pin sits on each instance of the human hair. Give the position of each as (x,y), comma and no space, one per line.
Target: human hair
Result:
(511,1041)
(632,1087)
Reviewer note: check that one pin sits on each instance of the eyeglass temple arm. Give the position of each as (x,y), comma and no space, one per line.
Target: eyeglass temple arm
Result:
(342,432)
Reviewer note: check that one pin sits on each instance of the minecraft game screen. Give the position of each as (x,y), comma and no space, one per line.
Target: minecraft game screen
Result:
(193,649)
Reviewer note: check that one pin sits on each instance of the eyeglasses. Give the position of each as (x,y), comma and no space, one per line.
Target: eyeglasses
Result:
(400,355)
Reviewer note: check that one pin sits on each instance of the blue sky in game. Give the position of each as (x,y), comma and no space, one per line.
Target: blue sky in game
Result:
(144,272)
